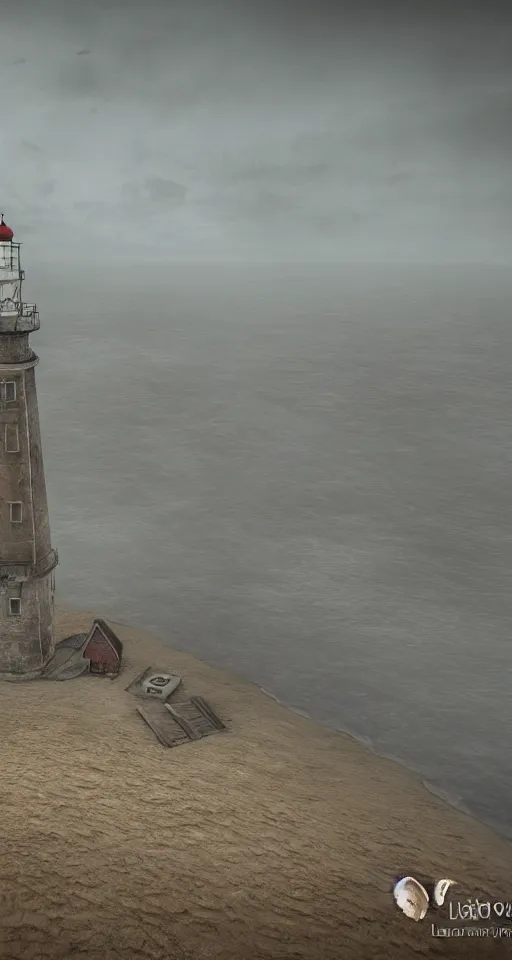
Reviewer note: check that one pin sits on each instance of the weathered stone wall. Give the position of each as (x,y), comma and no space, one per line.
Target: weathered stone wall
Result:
(39,498)
(16,539)
(45,589)
(26,640)
(15,348)
(26,643)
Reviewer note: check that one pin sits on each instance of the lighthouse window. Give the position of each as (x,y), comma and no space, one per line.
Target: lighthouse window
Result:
(16,510)
(14,606)
(8,390)
(12,438)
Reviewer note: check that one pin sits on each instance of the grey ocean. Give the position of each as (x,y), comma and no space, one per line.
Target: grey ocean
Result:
(301,475)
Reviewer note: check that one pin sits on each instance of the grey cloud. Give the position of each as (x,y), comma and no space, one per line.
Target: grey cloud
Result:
(270,129)
(485,123)
(47,188)
(159,190)
(92,211)
(155,190)
(81,78)
(341,221)
(29,147)
(401,176)
(266,204)
(285,174)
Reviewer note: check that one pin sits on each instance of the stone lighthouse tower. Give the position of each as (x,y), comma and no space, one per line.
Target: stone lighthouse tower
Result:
(27,561)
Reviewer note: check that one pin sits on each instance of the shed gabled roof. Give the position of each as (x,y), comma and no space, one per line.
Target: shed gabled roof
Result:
(109,635)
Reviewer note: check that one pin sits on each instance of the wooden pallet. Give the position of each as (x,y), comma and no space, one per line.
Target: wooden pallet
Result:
(181,722)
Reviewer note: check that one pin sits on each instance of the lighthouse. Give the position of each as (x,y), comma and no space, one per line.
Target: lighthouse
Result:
(27,560)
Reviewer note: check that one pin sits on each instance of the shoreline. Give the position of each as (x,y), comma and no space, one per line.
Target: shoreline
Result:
(438,792)
(278,839)
(367,744)
(364,742)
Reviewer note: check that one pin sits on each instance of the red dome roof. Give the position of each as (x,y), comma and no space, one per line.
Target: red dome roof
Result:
(5,231)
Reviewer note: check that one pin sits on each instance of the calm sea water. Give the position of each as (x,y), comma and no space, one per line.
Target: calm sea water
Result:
(301,475)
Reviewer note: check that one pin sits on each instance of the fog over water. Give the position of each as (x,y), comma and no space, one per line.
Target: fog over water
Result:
(271,246)
(302,476)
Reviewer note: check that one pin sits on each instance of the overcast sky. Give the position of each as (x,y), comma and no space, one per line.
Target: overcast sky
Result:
(272,130)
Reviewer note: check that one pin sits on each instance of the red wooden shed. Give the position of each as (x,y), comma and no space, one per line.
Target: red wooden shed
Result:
(104,649)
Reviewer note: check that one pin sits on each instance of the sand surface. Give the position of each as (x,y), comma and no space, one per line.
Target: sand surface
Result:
(276,839)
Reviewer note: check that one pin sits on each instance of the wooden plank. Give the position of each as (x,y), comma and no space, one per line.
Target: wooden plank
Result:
(198,720)
(207,712)
(186,711)
(188,728)
(170,734)
(154,727)
(201,723)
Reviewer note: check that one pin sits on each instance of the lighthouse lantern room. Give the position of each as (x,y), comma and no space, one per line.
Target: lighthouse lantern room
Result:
(14,314)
